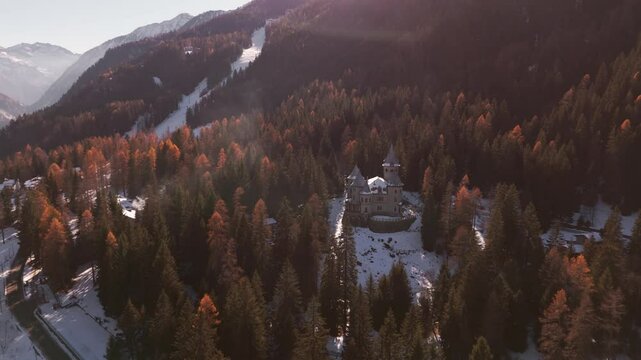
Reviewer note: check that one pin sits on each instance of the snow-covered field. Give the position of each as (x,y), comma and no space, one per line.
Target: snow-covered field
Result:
(14,341)
(81,319)
(376,253)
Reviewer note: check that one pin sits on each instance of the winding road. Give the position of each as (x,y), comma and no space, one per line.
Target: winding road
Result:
(23,311)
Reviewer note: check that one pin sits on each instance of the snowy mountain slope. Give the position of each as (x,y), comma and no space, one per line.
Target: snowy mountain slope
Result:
(69,77)
(27,70)
(9,110)
(179,117)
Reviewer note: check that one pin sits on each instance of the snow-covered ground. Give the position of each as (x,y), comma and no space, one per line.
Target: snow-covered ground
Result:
(250,54)
(131,206)
(179,117)
(80,318)
(376,253)
(335,347)
(14,341)
(8,183)
(597,215)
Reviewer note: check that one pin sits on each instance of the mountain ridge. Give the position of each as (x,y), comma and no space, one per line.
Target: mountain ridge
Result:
(27,70)
(58,89)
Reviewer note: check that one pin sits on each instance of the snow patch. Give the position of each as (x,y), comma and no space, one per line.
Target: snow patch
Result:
(376,253)
(178,118)
(14,341)
(80,318)
(130,207)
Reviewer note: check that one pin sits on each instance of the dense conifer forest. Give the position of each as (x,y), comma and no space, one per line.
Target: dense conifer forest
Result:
(541,120)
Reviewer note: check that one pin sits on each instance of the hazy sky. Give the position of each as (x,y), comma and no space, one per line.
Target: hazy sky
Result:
(79,25)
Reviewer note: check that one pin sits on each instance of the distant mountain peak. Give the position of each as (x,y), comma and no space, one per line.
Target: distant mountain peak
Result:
(89,58)
(27,70)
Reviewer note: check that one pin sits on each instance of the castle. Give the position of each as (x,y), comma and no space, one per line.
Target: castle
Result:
(375,196)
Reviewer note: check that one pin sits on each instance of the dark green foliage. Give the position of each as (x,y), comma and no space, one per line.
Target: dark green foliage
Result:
(130,322)
(330,294)
(481,350)
(287,312)
(359,342)
(389,340)
(311,342)
(162,326)
(242,328)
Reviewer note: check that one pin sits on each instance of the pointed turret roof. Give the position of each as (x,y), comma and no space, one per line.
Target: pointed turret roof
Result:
(391,159)
(356,178)
(356,173)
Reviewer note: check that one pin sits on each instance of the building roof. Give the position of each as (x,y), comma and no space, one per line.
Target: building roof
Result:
(356,174)
(356,178)
(391,159)
(376,184)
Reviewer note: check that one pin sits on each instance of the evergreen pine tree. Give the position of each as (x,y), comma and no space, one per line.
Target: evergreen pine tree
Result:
(430,221)
(581,331)
(634,249)
(242,328)
(55,256)
(311,342)
(206,324)
(554,327)
(287,312)
(400,291)
(329,294)
(284,238)
(612,311)
(481,350)
(161,326)
(389,341)
(183,346)
(358,342)
(130,322)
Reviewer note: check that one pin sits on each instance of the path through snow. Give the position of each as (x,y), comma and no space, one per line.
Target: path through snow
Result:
(179,117)
(14,341)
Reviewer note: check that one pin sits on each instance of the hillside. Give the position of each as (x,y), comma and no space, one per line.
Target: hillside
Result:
(89,58)
(9,109)
(120,89)
(527,53)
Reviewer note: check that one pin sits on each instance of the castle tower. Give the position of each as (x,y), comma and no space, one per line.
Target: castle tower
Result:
(354,184)
(391,168)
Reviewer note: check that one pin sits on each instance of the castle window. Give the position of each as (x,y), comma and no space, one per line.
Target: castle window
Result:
(379,208)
